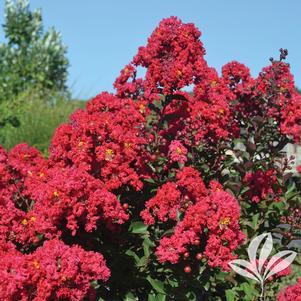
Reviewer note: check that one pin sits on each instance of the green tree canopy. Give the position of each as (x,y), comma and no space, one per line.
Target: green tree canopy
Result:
(31,57)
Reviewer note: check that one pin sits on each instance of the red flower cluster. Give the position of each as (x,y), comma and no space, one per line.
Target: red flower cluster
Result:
(210,117)
(214,210)
(40,202)
(291,119)
(172,57)
(105,140)
(74,197)
(54,271)
(291,293)
(219,213)
(237,77)
(61,199)
(177,152)
(271,95)
(277,76)
(174,196)
(262,184)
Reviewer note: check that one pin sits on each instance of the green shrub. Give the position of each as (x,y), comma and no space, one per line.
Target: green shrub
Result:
(38,119)
(29,59)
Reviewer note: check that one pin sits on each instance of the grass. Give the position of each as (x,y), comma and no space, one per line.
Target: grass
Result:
(39,119)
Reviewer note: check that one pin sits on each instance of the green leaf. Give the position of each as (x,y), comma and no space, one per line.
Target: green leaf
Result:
(158,297)
(156,284)
(221,276)
(130,297)
(207,286)
(95,284)
(230,295)
(191,296)
(150,180)
(249,290)
(173,282)
(244,189)
(138,228)
(290,188)
(255,219)
(142,261)
(133,254)
(147,244)
(291,191)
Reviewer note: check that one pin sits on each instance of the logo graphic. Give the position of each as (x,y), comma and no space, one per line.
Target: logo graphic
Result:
(262,268)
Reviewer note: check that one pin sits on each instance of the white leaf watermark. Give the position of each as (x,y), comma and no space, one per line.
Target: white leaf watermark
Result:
(262,268)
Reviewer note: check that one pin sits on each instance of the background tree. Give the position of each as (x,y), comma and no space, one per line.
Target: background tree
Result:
(31,59)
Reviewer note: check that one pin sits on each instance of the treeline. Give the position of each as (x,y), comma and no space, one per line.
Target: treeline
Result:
(34,96)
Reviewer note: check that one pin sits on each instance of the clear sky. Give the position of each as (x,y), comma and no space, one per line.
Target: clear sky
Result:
(103,36)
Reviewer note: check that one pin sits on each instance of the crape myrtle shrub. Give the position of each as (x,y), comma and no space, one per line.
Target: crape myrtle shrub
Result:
(148,193)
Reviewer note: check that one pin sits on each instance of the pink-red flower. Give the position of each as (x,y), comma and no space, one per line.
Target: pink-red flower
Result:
(262,184)
(291,119)
(177,152)
(105,140)
(173,197)
(291,293)
(54,271)
(214,210)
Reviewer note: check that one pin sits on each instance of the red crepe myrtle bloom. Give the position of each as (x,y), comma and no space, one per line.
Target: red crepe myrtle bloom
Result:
(174,196)
(291,119)
(291,293)
(177,152)
(219,212)
(261,185)
(53,271)
(104,140)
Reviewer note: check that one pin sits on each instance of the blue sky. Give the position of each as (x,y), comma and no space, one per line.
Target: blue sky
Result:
(103,36)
